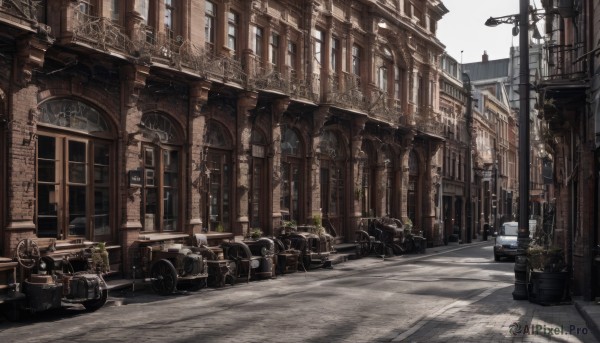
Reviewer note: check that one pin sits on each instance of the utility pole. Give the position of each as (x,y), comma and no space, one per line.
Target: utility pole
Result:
(520,292)
(522,20)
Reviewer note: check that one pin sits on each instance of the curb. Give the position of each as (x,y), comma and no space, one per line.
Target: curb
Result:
(592,322)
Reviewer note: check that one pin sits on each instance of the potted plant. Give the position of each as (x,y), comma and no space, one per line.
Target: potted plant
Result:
(548,275)
(256,233)
(288,226)
(100,258)
(318,229)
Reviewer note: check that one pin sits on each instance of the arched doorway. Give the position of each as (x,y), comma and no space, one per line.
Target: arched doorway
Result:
(292,181)
(161,209)
(218,211)
(75,172)
(333,179)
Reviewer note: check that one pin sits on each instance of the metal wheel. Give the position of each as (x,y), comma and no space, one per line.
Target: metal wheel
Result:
(164,277)
(95,304)
(28,253)
(364,243)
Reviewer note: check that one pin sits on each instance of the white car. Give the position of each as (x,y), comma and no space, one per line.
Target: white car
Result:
(506,241)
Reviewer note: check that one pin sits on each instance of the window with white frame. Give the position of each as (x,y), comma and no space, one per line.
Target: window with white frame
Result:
(209,25)
(258,42)
(292,58)
(233,20)
(318,46)
(356,56)
(335,54)
(274,45)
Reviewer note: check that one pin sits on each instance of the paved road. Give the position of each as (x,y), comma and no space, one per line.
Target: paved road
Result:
(450,294)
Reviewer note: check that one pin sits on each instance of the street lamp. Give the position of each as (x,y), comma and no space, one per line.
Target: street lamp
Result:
(522,20)
(468,157)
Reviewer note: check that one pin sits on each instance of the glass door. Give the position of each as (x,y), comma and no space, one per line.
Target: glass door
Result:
(219,193)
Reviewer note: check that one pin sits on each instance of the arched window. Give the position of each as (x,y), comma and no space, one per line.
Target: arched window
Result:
(161,208)
(74,172)
(72,114)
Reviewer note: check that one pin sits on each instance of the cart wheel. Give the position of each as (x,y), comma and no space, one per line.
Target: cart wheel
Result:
(28,253)
(164,277)
(95,304)
(364,243)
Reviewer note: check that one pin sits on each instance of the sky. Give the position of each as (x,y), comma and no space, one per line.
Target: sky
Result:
(463,29)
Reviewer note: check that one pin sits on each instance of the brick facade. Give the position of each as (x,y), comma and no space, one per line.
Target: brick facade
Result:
(228,176)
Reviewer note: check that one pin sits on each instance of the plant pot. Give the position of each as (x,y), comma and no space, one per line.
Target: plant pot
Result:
(548,288)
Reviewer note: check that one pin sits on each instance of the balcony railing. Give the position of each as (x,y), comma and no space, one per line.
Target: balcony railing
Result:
(565,63)
(425,121)
(101,33)
(303,89)
(26,9)
(269,79)
(347,93)
(385,108)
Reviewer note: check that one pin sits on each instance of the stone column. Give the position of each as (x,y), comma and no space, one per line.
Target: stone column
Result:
(279,107)
(21,139)
(246,102)
(196,140)
(429,194)
(134,80)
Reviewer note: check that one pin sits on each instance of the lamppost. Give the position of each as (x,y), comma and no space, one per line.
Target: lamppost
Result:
(469,155)
(521,22)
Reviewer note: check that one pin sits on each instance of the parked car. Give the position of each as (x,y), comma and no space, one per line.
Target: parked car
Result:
(506,241)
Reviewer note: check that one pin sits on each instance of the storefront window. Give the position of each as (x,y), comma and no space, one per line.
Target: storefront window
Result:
(290,175)
(258,198)
(218,212)
(74,162)
(161,172)
(333,178)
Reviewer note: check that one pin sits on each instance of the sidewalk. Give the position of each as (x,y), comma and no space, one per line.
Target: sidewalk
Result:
(493,316)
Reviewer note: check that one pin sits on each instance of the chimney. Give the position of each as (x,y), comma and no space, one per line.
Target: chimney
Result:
(484,57)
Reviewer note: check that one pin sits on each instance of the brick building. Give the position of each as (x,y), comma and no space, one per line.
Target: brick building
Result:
(125,121)
(569,101)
